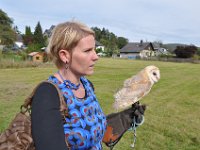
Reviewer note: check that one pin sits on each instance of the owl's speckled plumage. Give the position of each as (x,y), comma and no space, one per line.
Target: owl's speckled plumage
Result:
(136,87)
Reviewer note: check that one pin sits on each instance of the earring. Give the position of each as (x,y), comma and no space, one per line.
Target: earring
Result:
(66,65)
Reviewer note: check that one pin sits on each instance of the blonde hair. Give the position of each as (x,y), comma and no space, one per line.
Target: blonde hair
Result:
(66,36)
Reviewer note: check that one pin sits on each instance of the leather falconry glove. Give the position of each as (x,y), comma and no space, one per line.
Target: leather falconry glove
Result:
(119,123)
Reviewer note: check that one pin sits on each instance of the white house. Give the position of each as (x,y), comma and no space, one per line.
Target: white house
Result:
(98,45)
(140,49)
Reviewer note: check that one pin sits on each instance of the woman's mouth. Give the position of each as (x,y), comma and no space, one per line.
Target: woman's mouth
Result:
(91,65)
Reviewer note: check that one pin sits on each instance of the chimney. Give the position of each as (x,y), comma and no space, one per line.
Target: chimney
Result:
(141,42)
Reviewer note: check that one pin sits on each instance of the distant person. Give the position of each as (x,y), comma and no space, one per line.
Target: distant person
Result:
(72,48)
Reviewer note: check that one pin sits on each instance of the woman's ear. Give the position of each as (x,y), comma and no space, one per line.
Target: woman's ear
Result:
(64,56)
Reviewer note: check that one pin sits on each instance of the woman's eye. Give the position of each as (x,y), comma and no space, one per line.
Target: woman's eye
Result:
(87,50)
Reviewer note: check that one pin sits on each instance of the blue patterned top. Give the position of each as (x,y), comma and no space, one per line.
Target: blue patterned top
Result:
(85,128)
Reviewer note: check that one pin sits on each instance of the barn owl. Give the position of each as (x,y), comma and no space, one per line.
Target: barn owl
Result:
(136,87)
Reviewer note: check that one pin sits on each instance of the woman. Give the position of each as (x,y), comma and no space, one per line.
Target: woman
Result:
(72,48)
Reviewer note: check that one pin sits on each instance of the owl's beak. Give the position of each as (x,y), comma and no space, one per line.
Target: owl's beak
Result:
(157,78)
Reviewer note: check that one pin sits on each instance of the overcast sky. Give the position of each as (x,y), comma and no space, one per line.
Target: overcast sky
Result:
(169,21)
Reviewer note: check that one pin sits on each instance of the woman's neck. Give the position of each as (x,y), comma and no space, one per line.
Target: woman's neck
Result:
(67,75)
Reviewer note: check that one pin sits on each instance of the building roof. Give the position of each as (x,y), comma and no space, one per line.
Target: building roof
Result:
(136,47)
(33,53)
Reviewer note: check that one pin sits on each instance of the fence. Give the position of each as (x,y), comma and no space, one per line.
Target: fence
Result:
(172,59)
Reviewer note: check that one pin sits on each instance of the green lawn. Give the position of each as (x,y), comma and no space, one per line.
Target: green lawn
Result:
(172,118)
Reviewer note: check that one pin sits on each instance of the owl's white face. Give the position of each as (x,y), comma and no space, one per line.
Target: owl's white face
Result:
(153,73)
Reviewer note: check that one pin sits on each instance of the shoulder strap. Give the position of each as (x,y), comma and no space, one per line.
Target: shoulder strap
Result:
(91,84)
(27,103)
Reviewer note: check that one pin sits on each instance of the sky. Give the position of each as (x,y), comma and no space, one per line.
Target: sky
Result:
(167,21)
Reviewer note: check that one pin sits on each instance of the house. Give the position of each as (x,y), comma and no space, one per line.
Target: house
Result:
(18,44)
(98,45)
(160,50)
(36,56)
(100,48)
(137,50)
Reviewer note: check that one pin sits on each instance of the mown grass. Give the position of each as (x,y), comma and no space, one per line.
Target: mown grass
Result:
(172,117)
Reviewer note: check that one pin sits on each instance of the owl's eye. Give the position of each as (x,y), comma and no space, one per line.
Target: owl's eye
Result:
(154,73)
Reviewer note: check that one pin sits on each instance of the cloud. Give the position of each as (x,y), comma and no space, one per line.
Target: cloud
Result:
(165,20)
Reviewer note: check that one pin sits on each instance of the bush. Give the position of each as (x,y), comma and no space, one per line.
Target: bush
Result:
(23,55)
(34,48)
(198,51)
(185,51)
(13,55)
(1,54)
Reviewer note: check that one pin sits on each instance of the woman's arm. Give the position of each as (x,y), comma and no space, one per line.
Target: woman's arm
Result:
(47,124)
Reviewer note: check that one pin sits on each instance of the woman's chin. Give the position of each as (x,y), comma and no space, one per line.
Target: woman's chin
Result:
(90,72)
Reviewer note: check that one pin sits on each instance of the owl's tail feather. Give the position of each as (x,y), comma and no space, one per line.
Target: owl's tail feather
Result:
(116,106)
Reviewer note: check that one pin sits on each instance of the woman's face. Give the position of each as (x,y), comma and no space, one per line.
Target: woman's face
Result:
(83,57)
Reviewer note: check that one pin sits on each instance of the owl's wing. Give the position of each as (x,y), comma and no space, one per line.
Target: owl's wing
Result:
(131,94)
(134,79)
(139,89)
(138,78)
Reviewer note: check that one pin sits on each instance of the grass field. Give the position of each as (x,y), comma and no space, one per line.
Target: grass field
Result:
(172,118)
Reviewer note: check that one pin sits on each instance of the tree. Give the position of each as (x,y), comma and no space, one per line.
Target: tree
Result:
(185,51)
(28,36)
(97,33)
(15,28)
(111,42)
(159,43)
(121,42)
(7,34)
(28,31)
(198,51)
(38,35)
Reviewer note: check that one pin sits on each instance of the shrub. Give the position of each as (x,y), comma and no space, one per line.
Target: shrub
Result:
(23,55)
(1,54)
(33,48)
(185,51)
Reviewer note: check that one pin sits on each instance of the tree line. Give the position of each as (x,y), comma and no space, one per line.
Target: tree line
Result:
(36,40)
(111,42)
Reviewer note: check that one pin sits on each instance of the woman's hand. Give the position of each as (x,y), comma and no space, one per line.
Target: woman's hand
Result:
(138,112)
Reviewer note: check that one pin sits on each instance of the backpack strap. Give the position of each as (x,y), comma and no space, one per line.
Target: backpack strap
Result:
(26,107)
